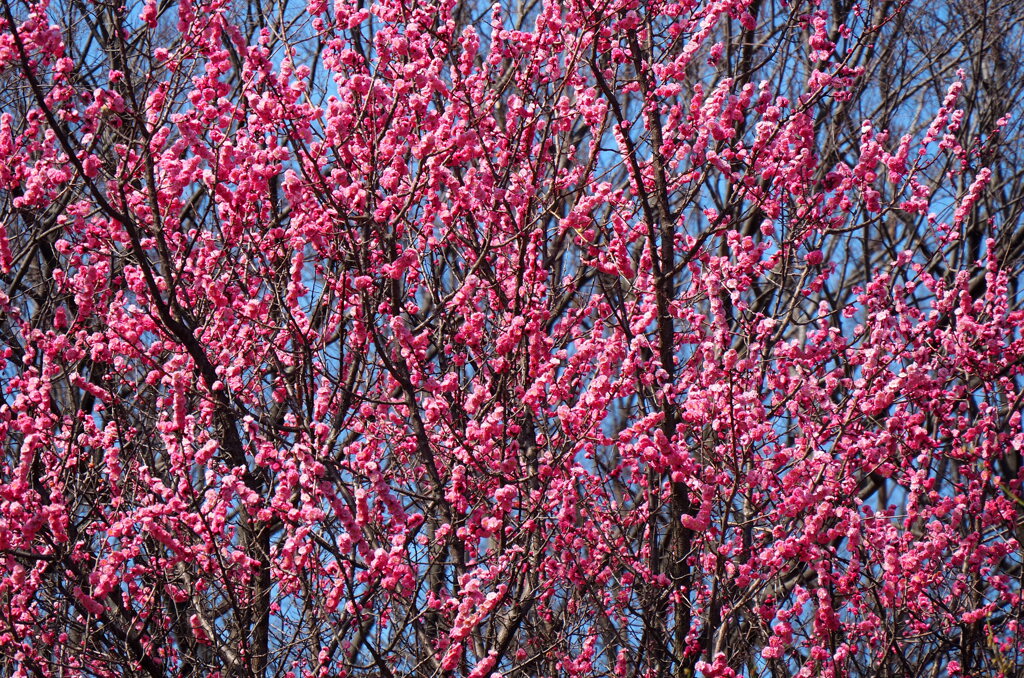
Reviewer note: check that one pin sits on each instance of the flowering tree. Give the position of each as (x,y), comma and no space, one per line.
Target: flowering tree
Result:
(560,338)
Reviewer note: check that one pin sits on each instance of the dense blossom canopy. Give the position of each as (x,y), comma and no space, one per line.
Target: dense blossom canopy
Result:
(548,338)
